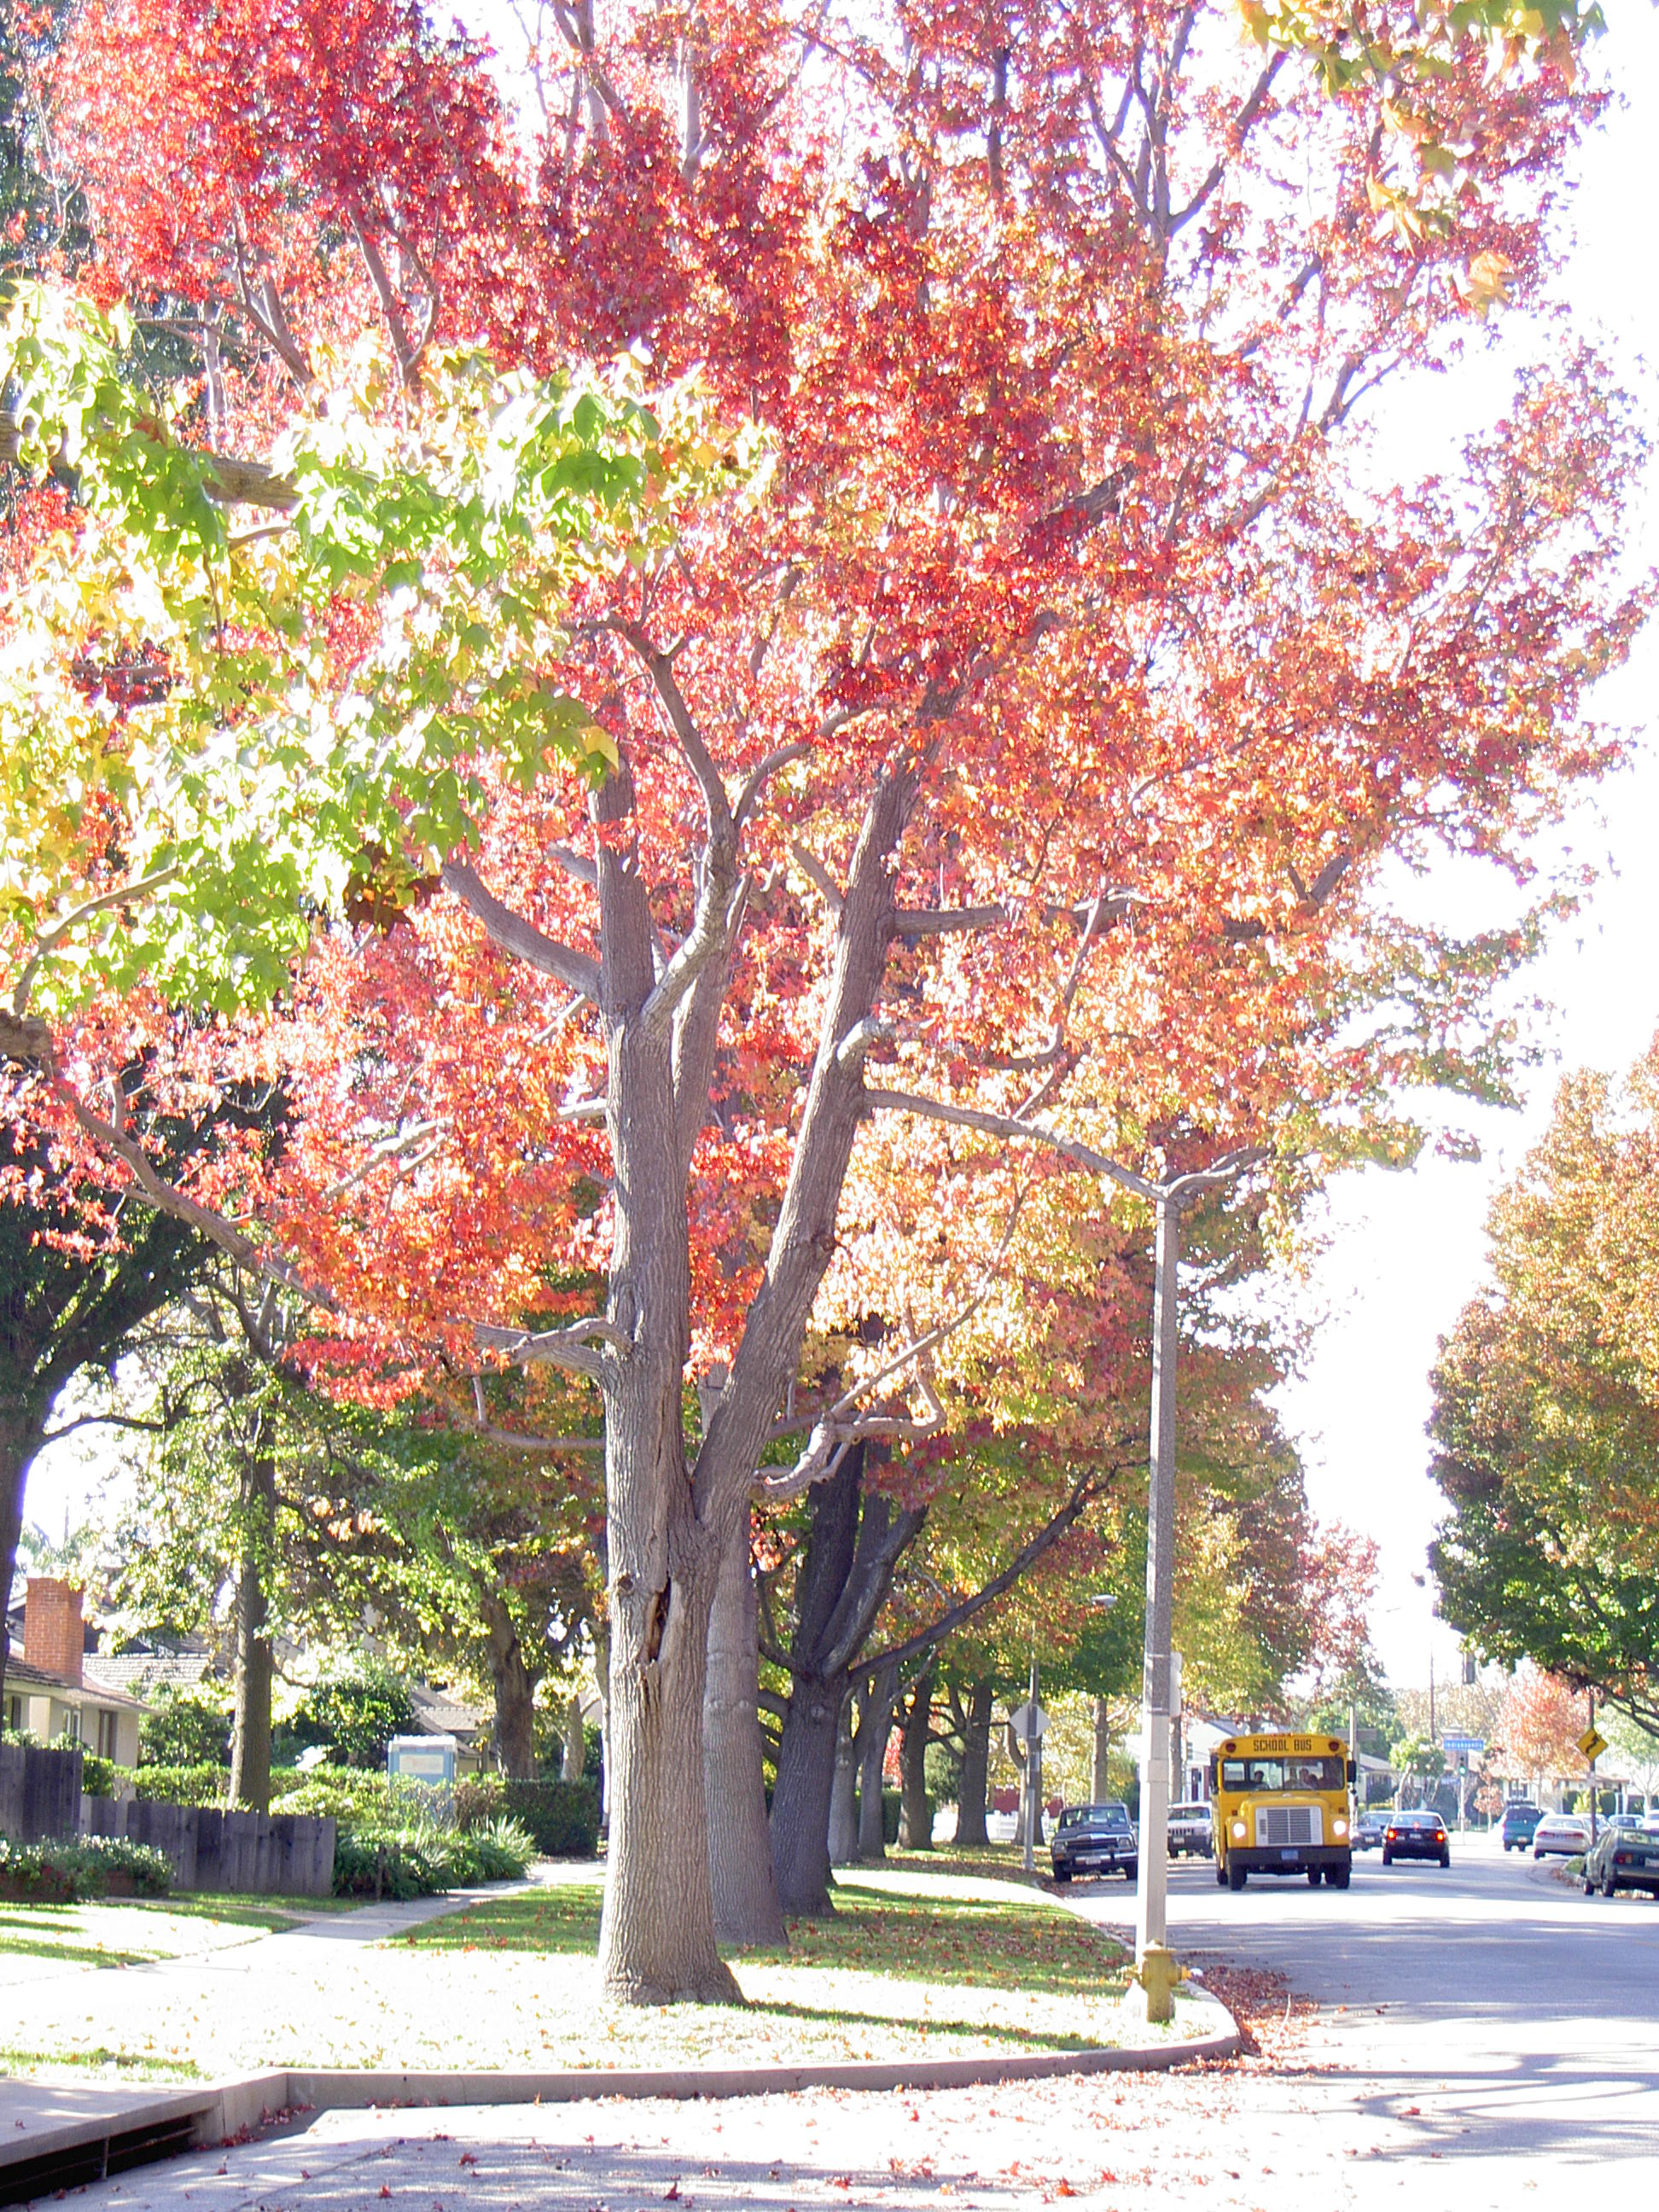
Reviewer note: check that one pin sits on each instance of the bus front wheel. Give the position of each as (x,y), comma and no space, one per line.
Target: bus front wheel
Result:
(1220,1875)
(1337,1876)
(1236,1875)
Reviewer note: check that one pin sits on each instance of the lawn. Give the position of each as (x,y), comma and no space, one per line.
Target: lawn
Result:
(137,1931)
(914,1961)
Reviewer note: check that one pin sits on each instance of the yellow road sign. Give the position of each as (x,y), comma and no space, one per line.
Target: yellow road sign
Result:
(1592,1743)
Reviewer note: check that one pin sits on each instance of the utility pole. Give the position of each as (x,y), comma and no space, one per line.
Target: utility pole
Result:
(1152,1897)
(1169,1200)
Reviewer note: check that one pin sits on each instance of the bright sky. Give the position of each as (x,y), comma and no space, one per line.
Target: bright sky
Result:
(1404,1252)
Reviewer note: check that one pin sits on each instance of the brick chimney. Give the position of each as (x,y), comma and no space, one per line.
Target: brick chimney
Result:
(52,1636)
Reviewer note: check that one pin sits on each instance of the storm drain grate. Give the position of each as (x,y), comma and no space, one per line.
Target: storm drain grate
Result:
(73,2165)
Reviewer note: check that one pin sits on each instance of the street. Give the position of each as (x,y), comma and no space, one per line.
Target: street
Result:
(1485,2036)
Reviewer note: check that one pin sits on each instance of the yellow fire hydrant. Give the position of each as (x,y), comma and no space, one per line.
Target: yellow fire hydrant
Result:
(1156,1979)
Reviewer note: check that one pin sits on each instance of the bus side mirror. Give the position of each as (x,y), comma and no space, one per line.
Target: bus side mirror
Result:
(1209,1774)
(1353,1770)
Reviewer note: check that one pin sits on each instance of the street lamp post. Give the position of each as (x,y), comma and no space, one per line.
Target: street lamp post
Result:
(1171,1200)
(1151,1898)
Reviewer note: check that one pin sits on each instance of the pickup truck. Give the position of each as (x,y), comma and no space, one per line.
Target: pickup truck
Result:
(1189,1832)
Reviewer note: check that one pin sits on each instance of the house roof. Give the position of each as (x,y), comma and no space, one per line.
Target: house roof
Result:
(438,1713)
(142,1671)
(90,1691)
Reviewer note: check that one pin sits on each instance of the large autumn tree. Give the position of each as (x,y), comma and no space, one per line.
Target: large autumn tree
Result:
(958,740)
(1546,1407)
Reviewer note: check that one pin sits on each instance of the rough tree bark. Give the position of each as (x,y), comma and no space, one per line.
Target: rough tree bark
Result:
(746,1908)
(573,1751)
(19,1440)
(841,1587)
(1100,1783)
(515,1684)
(875,1725)
(843,1793)
(250,1741)
(916,1827)
(976,1764)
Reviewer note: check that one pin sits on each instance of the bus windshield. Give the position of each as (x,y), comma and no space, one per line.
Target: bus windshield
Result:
(1298,1772)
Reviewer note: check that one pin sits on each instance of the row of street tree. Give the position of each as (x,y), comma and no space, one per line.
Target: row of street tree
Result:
(667,720)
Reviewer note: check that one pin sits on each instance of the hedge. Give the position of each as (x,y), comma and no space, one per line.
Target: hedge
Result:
(183,1785)
(562,1817)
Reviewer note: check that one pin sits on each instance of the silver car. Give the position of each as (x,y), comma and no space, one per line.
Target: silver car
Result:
(1560,1835)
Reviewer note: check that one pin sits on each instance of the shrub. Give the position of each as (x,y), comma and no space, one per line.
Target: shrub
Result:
(356,1713)
(562,1818)
(99,1777)
(479,1799)
(338,1793)
(183,1785)
(184,1730)
(356,1799)
(398,1864)
(72,1869)
(499,1851)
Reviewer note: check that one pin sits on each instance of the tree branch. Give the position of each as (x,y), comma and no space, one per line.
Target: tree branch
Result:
(578,971)
(513,1440)
(947,1624)
(121,896)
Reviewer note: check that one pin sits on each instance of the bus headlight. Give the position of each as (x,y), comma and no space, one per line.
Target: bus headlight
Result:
(1338,1827)
(1239,1831)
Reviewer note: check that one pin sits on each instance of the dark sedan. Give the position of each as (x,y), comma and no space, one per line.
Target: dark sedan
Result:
(1622,1858)
(1416,1836)
(1094,1840)
(1369,1831)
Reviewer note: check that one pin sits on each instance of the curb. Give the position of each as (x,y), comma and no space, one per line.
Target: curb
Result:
(93,2145)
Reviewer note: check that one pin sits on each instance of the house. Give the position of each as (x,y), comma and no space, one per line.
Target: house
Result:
(51,1689)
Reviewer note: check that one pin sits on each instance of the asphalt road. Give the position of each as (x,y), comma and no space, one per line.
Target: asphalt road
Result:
(1491,2011)
(1486,2038)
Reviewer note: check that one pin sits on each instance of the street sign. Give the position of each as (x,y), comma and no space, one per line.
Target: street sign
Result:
(1020,1721)
(1473,1744)
(1592,1743)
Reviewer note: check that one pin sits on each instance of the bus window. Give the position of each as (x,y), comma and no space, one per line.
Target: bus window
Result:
(1273,1774)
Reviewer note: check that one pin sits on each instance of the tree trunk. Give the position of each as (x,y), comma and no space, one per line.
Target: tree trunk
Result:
(572,1751)
(667,1529)
(975,1765)
(249,1742)
(747,1912)
(843,1795)
(515,1692)
(1100,1783)
(875,1725)
(916,1827)
(19,1442)
(800,1803)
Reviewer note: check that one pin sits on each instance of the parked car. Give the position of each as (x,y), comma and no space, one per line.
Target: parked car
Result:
(1368,1830)
(1420,1835)
(1189,1830)
(1560,1835)
(1520,1819)
(1622,1858)
(1631,1823)
(1094,1840)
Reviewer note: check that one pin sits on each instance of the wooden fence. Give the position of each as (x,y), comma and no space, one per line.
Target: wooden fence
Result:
(39,1792)
(257,1854)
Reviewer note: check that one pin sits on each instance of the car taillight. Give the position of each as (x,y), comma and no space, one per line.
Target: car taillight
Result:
(1622,1858)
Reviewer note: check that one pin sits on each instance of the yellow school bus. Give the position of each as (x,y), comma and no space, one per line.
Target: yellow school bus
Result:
(1279,1804)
